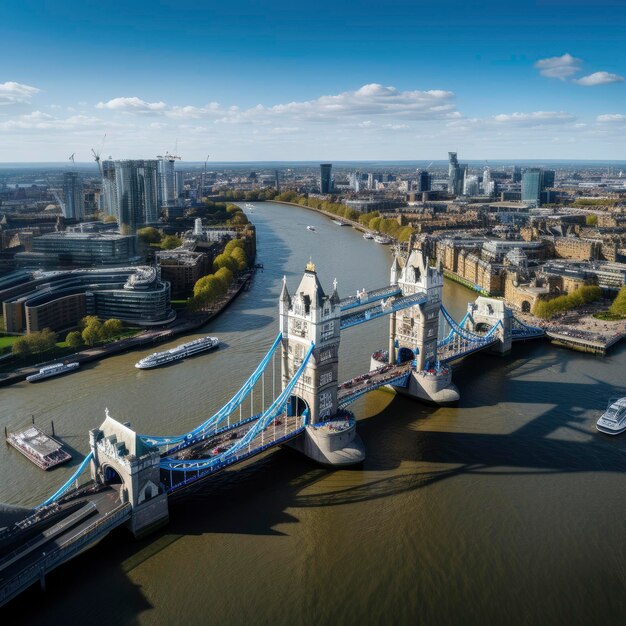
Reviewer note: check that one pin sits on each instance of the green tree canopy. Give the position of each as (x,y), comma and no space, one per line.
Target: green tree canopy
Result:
(111,328)
(92,333)
(74,339)
(20,347)
(169,242)
(240,257)
(149,234)
(225,260)
(618,307)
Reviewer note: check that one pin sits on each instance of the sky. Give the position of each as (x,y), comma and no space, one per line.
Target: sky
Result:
(324,80)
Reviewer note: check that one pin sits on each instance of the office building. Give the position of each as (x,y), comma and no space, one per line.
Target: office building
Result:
(85,249)
(534,183)
(167,195)
(136,185)
(456,175)
(326,180)
(424,181)
(74,200)
(59,300)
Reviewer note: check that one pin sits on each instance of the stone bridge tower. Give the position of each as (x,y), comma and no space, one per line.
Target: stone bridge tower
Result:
(311,316)
(485,313)
(121,457)
(414,332)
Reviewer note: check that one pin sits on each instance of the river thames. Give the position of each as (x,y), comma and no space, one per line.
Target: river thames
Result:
(509,508)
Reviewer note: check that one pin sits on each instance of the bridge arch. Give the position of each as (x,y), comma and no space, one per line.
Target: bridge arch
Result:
(405,354)
(298,406)
(525,306)
(111,476)
(482,327)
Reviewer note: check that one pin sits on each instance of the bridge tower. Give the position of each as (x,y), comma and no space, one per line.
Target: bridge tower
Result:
(312,316)
(121,457)
(485,313)
(414,332)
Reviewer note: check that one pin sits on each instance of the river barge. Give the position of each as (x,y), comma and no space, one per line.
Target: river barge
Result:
(38,447)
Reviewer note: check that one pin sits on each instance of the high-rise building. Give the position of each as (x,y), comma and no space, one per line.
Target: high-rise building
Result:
(548,179)
(489,186)
(424,181)
(326,180)
(136,191)
(277,180)
(73,196)
(517,174)
(166,182)
(456,174)
(108,195)
(470,185)
(532,185)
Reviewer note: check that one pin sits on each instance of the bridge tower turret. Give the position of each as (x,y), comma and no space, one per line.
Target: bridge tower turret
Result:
(311,316)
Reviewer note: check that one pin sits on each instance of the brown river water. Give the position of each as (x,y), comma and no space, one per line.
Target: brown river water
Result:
(509,508)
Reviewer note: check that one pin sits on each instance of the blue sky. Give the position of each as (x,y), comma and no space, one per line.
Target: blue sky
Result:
(313,80)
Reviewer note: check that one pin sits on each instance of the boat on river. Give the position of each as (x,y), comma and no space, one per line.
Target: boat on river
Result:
(311,228)
(368,236)
(613,420)
(179,352)
(56,369)
(382,239)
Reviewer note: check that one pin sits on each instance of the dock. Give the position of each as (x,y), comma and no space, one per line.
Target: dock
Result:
(40,448)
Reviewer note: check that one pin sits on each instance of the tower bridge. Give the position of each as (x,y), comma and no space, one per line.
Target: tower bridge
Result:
(299,402)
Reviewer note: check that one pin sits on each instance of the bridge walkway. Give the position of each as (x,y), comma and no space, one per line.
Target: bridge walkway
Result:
(353,389)
(33,560)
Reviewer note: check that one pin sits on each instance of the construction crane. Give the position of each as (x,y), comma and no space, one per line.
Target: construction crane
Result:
(96,156)
(72,158)
(169,157)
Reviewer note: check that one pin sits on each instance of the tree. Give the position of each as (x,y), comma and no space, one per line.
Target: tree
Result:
(88,319)
(225,260)
(239,219)
(207,290)
(74,339)
(225,276)
(149,235)
(591,220)
(109,218)
(169,242)
(111,328)
(232,244)
(21,347)
(618,307)
(92,333)
(240,257)
(41,341)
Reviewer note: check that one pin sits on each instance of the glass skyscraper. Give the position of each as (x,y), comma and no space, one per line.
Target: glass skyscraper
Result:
(532,185)
(326,181)
(74,198)
(136,192)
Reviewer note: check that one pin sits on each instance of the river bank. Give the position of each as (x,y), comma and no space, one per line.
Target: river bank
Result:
(184,324)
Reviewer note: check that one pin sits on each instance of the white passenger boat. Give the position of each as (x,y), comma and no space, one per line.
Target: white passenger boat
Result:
(56,369)
(179,352)
(613,420)
(368,236)
(340,223)
(311,228)
(382,239)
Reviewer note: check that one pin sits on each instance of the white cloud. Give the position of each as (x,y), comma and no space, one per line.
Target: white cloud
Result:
(611,118)
(534,118)
(12,92)
(559,67)
(134,105)
(599,78)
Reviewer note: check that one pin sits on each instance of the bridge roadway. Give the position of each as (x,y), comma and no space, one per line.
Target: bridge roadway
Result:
(356,387)
(280,431)
(62,541)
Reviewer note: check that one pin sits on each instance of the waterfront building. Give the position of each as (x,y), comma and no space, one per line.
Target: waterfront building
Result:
(74,201)
(326,180)
(183,268)
(79,249)
(59,300)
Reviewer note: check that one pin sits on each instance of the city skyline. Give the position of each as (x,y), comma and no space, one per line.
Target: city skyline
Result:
(314,82)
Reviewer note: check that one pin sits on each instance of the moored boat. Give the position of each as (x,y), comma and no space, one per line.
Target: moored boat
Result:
(368,236)
(382,239)
(56,369)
